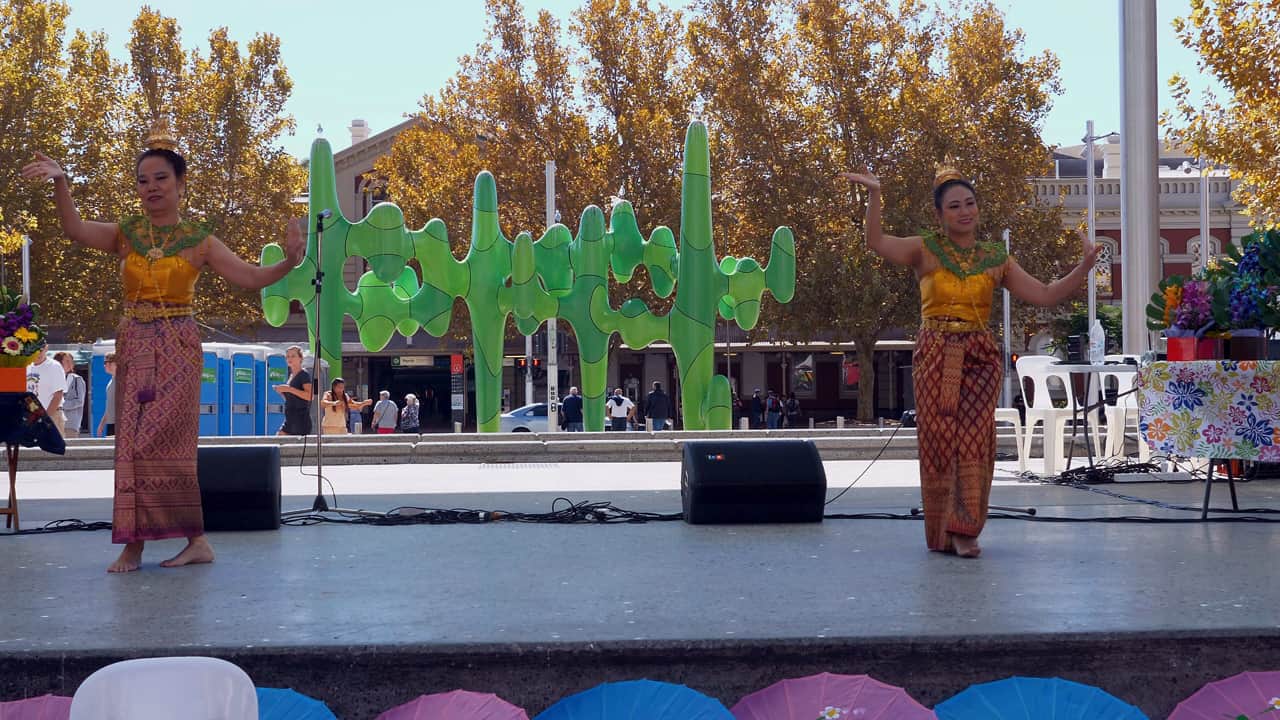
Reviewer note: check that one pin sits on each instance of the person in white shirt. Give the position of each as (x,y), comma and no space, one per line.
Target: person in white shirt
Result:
(621,409)
(48,382)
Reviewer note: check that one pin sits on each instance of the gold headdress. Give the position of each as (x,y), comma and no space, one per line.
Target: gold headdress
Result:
(160,137)
(945,171)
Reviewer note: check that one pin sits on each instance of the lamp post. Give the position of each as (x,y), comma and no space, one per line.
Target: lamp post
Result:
(1089,139)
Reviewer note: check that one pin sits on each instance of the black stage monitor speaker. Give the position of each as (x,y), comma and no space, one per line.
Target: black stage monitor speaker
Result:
(239,486)
(752,481)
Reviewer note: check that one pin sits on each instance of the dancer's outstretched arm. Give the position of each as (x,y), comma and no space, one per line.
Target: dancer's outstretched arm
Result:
(1028,289)
(897,250)
(97,235)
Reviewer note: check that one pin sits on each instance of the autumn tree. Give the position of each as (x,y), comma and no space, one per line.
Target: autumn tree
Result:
(636,87)
(894,87)
(744,66)
(32,88)
(1235,40)
(511,107)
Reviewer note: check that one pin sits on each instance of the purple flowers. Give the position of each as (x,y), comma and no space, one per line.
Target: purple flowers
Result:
(1195,311)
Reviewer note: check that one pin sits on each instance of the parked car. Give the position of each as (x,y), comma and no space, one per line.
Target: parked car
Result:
(530,418)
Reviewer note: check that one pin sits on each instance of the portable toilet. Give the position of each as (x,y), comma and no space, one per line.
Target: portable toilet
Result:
(261,390)
(244,390)
(98,379)
(277,373)
(215,390)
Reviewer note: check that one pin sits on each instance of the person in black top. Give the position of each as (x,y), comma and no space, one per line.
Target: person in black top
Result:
(572,409)
(657,407)
(297,395)
(757,410)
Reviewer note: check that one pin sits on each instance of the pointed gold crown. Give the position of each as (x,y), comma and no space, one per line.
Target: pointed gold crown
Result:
(160,137)
(945,171)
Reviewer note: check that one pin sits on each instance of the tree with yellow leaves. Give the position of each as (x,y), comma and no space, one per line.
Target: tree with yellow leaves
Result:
(92,112)
(1236,41)
(892,87)
(511,107)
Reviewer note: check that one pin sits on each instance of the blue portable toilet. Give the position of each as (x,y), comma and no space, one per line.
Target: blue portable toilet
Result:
(98,379)
(261,391)
(277,373)
(215,390)
(210,385)
(244,390)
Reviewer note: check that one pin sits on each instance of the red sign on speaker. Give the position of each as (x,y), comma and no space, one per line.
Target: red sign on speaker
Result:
(455,364)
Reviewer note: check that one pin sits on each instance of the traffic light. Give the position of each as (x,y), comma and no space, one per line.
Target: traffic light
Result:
(537,362)
(522,363)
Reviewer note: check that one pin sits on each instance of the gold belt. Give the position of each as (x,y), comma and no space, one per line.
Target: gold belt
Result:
(952,325)
(151,313)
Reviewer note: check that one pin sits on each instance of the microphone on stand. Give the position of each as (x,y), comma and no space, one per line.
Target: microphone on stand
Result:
(321,216)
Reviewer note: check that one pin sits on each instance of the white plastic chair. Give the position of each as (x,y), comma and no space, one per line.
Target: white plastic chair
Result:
(192,688)
(1039,371)
(1014,418)
(1126,407)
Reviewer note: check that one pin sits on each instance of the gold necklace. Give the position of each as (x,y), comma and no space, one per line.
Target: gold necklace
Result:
(157,250)
(964,258)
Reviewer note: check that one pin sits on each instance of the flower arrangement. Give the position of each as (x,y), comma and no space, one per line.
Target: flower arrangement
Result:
(1251,283)
(20,336)
(1183,307)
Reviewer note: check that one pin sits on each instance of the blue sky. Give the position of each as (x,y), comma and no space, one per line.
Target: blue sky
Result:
(377,65)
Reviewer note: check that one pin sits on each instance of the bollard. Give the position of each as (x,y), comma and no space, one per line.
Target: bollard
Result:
(744,423)
(457,427)
(839,422)
(811,426)
(648,424)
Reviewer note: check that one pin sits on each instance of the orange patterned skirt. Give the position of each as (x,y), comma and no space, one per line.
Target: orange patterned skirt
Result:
(957,382)
(157,429)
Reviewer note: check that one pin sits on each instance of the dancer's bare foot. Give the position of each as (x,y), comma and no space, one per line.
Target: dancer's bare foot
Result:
(130,559)
(197,552)
(966,547)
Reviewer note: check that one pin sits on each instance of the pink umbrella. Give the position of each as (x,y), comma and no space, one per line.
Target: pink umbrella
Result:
(830,697)
(456,705)
(1247,695)
(45,707)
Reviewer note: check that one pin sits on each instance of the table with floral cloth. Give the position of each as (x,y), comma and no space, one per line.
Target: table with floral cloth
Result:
(1216,409)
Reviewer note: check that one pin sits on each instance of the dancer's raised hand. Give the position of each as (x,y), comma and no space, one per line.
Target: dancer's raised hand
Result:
(295,241)
(1089,250)
(867,180)
(42,167)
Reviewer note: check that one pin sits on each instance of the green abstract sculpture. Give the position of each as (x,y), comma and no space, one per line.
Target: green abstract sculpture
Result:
(557,276)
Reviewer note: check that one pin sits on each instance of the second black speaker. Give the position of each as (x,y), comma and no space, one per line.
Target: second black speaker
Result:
(752,481)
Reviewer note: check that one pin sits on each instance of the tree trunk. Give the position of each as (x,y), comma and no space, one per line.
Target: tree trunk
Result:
(866,378)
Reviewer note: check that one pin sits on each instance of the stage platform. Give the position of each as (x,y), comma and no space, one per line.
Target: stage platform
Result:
(368,617)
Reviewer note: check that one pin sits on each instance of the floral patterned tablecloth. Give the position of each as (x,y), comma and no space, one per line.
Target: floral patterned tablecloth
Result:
(1224,409)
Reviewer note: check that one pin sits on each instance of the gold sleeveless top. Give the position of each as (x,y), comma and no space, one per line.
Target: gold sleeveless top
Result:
(154,270)
(962,286)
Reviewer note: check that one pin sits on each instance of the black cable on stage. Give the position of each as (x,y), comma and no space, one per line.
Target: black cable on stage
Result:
(868,467)
(570,513)
(61,526)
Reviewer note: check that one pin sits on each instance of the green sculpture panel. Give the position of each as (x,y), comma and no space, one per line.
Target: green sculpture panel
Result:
(557,276)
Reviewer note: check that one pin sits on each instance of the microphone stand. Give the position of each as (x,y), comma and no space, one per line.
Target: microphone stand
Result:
(320,505)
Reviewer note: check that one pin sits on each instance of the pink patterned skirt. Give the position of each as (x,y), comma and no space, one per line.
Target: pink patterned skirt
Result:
(157,429)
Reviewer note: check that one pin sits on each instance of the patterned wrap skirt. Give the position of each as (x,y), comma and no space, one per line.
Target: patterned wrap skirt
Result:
(158,372)
(957,379)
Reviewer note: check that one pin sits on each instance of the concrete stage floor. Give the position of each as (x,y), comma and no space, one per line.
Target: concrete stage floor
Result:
(368,617)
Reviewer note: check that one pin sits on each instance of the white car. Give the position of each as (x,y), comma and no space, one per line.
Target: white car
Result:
(530,418)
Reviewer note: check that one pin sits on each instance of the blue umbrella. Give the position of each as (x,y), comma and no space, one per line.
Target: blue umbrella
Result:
(276,704)
(637,700)
(1020,698)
